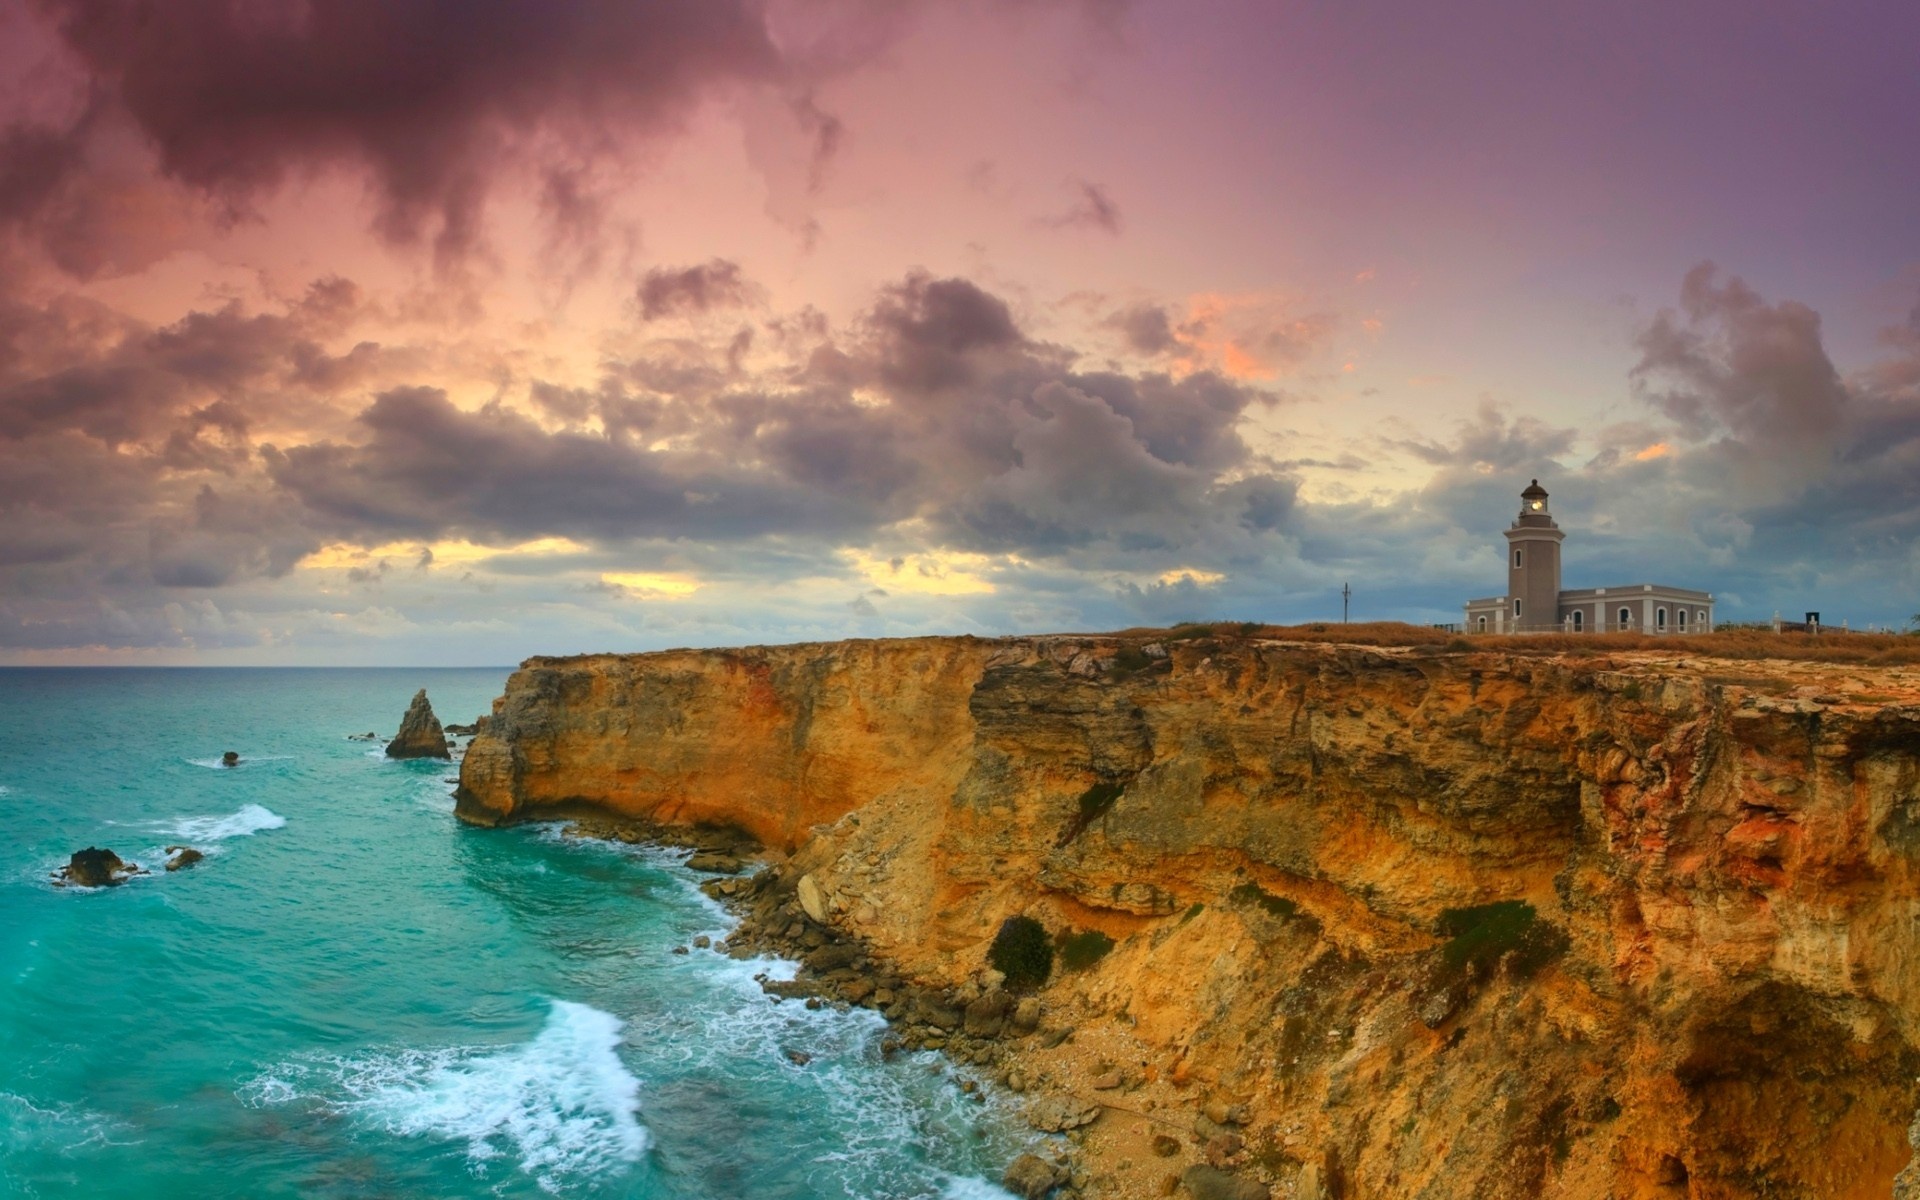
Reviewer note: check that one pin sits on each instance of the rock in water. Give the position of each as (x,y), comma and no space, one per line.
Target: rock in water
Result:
(94,867)
(183,856)
(420,734)
(230,759)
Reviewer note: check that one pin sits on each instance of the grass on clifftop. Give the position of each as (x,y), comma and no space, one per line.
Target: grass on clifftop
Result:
(1866,649)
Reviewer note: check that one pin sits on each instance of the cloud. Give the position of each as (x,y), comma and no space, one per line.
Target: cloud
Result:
(1092,209)
(712,285)
(1727,362)
(428,98)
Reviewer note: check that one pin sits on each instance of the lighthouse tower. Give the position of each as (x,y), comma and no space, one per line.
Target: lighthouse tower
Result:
(1533,564)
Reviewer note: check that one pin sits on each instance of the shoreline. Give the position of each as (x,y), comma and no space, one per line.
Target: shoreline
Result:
(1124,1128)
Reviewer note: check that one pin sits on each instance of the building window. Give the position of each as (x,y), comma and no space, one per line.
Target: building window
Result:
(1516,558)
(1682,615)
(1483,624)
(1516,608)
(1701,617)
(1626,618)
(1660,619)
(1579,620)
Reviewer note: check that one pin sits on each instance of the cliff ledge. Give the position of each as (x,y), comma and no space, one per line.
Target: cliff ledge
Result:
(1445,923)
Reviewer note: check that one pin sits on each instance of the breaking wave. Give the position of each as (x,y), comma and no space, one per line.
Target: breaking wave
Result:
(563,1106)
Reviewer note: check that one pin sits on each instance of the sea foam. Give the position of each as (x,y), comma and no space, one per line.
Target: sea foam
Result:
(249,820)
(563,1105)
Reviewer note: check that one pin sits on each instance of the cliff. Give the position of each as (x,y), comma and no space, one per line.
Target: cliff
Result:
(1446,923)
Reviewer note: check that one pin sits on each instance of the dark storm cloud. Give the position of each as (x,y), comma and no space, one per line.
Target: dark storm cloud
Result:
(716,284)
(936,407)
(428,469)
(427,95)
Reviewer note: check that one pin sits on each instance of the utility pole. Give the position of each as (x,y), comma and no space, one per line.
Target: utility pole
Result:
(1346,594)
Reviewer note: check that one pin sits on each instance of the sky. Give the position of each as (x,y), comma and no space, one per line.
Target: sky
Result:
(457,331)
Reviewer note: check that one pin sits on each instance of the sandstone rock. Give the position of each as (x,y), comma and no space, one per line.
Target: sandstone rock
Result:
(812,900)
(1222,1147)
(420,734)
(1031,1177)
(1058,1114)
(1164,1146)
(986,1016)
(94,867)
(1307,1185)
(230,759)
(1026,1015)
(799,1058)
(722,864)
(1749,857)
(1211,1183)
(182,856)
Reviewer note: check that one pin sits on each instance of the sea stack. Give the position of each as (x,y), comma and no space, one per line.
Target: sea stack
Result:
(420,734)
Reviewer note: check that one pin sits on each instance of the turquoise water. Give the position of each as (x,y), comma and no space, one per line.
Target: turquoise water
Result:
(354,996)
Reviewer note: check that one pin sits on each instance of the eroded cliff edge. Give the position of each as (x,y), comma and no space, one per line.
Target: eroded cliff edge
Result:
(1714,993)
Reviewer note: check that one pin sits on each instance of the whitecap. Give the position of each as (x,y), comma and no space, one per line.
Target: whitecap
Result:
(62,1127)
(964,1187)
(563,1105)
(248,821)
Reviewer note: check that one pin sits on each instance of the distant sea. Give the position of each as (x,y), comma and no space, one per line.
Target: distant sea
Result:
(354,996)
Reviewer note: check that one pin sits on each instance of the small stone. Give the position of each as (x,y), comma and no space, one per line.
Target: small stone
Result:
(1106,1081)
(1026,1015)
(813,901)
(1211,1183)
(230,759)
(1031,1177)
(702,942)
(679,949)
(799,1058)
(1164,1146)
(1222,1147)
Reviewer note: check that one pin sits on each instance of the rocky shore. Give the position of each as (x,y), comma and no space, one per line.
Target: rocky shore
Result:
(1323,921)
(1116,1118)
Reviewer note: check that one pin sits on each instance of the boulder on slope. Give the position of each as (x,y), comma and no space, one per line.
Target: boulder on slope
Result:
(420,734)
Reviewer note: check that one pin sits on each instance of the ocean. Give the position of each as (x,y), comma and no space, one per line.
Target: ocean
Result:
(355,996)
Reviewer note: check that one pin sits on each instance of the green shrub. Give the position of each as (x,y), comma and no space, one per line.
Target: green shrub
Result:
(1022,953)
(1484,934)
(1082,948)
(1193,912)
(1249,628)
(1254,894)
(1129,659)
(1188,631)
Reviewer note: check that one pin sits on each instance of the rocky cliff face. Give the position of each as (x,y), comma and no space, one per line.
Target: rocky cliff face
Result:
(1447,924)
